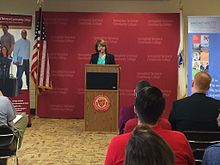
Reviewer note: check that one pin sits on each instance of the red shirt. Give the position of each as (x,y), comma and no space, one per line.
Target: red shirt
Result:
(176,140)
(132,123)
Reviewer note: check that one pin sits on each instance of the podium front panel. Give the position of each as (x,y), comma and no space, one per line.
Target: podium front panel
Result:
(99,80)
(101,110)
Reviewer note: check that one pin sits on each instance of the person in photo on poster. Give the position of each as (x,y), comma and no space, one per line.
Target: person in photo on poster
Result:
(7,39)
(21,58)
(5,63)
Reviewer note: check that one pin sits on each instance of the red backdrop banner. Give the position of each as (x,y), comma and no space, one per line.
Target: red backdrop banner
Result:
(144,45)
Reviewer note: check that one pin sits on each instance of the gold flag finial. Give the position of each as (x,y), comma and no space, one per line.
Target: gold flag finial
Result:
(40,2)
(180,5)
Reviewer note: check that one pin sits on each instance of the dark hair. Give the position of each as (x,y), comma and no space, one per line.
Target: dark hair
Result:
(5,25)
(149,105)
(102,43)
(6,51)
(147,148)
(140,85)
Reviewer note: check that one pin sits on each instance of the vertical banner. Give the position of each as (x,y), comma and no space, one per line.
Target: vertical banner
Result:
(22,101)
(204,38)
(145,46)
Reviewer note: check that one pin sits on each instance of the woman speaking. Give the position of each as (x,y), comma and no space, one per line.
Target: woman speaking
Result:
(101,56)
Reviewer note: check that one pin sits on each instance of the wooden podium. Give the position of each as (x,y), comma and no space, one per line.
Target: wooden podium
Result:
(101,101)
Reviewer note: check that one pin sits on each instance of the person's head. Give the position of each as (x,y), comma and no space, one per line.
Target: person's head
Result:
(101,46)
(201,82)
(4,51)
(24,34)
(147,148)
(5,28)
(140,85)
(149,105)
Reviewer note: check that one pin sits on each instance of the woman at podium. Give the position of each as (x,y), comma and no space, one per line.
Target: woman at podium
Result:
(5,62)
(101,56)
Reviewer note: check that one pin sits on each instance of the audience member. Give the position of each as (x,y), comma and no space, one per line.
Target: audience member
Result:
(211,155)
(149,106)
(8,114)
(21,58)
(101,56)
(147,148)
(127,113)
(7,39)
(132,123)
(198,111)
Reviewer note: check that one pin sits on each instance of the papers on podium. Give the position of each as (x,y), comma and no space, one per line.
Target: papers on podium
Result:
(18,117)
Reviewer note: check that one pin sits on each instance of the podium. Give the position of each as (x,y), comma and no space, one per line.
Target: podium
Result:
(101,101)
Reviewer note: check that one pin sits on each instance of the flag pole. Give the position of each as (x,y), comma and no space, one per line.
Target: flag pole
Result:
(39,45)
(39,3)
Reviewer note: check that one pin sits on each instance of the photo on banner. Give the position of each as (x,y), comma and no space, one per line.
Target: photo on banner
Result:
(200,53)
(16,24)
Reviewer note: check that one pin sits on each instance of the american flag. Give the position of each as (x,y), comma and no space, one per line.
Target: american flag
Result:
(40,66)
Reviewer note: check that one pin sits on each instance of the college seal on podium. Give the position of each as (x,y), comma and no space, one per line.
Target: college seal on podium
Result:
(101,103)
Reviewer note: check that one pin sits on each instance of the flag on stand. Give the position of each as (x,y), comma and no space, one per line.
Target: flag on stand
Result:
(40,66)
(182,86)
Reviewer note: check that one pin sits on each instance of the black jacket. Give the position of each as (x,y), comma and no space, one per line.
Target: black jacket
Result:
(110,59)
(196,112)
(5,63)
